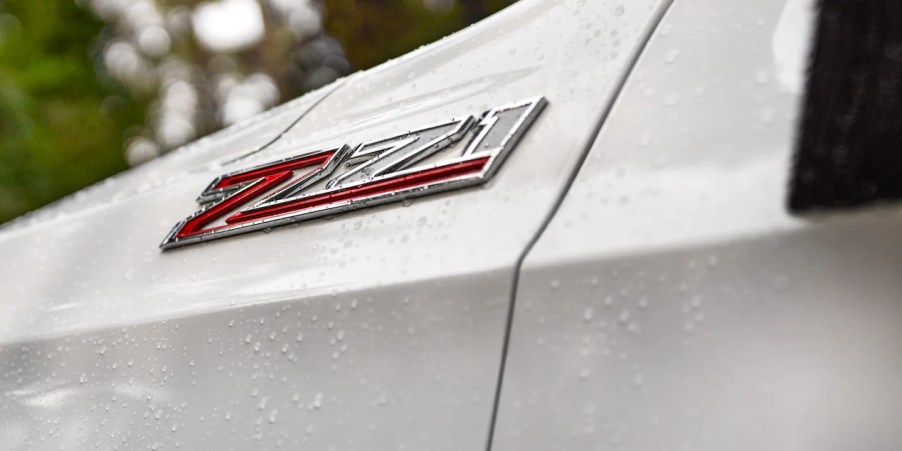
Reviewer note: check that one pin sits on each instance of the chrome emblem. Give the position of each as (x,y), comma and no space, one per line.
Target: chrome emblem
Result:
(344,178)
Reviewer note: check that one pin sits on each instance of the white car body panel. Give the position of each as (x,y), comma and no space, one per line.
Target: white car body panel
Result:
(673,303)
(378,329)
(640,289)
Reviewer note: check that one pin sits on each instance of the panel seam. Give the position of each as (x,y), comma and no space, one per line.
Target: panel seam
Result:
(571,178)
(337,85)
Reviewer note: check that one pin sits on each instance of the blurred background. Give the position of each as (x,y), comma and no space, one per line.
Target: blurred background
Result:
(89,88)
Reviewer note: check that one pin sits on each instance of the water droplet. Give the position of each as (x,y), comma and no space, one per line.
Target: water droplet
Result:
(624,316)
(317,401)
(671,56)
(638,379)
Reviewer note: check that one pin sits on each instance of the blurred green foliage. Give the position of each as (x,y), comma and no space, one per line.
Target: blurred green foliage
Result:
(373,31)
(61,126)
(63,121)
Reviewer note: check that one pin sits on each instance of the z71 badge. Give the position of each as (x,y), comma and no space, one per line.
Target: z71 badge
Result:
(331,181)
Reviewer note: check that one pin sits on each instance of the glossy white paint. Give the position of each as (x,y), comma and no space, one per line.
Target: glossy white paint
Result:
(672,303)
(379,329)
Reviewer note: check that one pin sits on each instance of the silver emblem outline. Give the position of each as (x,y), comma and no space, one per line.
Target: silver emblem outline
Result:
(346,155)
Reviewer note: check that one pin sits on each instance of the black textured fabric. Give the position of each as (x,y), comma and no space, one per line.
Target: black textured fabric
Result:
(849,149)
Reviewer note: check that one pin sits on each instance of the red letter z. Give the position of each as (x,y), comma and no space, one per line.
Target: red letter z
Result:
(246,186)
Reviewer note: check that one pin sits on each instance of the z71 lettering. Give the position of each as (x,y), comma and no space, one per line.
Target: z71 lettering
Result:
(332,181)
